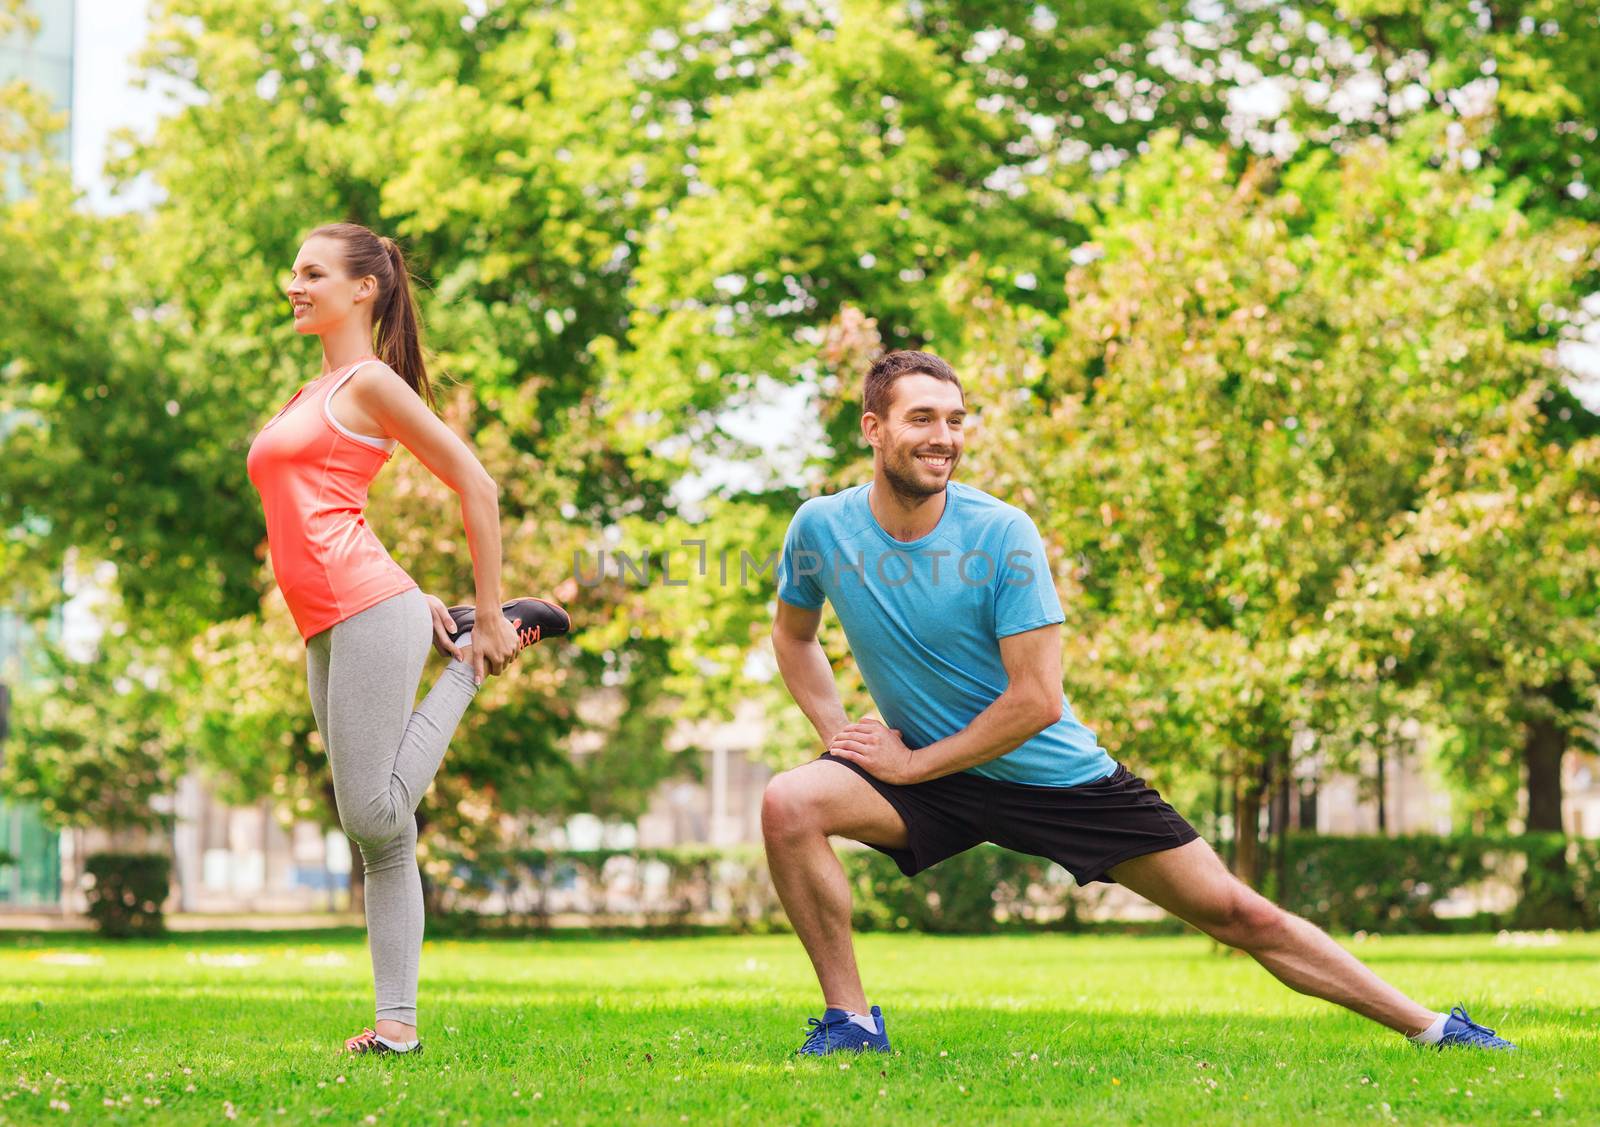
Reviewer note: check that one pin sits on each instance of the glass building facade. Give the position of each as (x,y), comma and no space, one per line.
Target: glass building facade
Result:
(43,57)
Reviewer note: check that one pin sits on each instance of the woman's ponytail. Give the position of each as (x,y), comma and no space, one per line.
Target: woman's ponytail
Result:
(395,321)
(399,328)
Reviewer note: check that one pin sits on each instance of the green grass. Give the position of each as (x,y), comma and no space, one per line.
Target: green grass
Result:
(1049,1029)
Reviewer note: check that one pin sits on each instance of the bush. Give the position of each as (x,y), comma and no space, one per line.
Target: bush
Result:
(1377,883)
(675,887)
(1345,884)
(1560,880)
(126,891)
(981,890)
(1392,884)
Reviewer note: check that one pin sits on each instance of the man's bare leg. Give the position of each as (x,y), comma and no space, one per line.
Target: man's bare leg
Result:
(1192,883)
(800,809)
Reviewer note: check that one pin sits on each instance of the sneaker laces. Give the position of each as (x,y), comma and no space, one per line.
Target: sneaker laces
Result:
(363,1042)
(1479,1033)
(819,1033)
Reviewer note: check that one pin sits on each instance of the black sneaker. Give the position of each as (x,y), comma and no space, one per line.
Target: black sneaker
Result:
(536,619)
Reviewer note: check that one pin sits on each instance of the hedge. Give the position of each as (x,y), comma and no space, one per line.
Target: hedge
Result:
(1346,884)
(1394,883)
(126,891)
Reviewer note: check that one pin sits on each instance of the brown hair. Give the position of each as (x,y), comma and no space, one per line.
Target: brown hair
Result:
(399,331)
(877,390)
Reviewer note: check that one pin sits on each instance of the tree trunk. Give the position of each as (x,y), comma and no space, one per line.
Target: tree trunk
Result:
(1278,826)
(358,880)
(358,867)
(1383,793)
(1308,808)
(1545,747)
(1247,829)
(1548,898)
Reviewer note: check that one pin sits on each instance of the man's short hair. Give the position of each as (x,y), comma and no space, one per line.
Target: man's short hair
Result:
(878,390)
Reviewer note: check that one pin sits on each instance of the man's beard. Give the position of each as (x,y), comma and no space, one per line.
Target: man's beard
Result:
(900,474)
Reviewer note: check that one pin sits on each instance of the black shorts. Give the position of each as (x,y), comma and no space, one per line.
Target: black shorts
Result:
(1086,829)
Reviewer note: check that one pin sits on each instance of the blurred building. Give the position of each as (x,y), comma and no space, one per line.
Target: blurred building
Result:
(225,859)
(722,806)
(44,60)
(241,860)
(1580,793)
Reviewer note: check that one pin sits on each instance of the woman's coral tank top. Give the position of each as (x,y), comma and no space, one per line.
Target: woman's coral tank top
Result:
(313,478)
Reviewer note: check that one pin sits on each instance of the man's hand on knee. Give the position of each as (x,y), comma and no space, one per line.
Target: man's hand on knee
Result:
(877,749)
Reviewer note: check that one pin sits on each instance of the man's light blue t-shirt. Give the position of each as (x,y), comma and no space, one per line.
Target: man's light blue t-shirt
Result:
(924,619)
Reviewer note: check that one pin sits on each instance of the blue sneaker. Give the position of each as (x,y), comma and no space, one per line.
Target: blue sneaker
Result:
(1459,1029)
(836,1033)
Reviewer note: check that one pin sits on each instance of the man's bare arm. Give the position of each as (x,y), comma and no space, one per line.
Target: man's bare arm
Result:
(805,669)
(1030,704)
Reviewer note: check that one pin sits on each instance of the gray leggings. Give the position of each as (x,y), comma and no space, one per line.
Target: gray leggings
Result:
(363,675)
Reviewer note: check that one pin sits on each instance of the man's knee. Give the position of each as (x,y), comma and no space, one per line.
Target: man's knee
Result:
(1246,919)
(789,807)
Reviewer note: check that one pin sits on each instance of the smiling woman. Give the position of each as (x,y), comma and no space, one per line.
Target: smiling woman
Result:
(343,266)
(365,624)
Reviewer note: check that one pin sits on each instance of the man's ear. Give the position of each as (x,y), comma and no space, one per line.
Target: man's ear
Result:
(871,426)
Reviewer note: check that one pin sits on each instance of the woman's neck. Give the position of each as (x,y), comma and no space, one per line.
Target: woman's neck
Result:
(344,344)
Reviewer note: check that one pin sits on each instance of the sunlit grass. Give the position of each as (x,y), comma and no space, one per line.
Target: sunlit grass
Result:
(1087,1029)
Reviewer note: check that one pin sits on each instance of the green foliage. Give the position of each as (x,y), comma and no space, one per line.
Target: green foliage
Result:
(726,884)
(567,234)
(1392,884)
(1378,884)
(1257,379)
(1490,585)
(94,742)
(516,223)
(1516,76)
(120,443)
(1290,428)
(244,710)
(974,892)
(126,892)
(1560,882)
(979,891)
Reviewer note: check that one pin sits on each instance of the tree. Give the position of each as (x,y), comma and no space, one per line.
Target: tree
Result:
(1249,390)
(638,220)
(1514,73)
(1495,577)
(94,743)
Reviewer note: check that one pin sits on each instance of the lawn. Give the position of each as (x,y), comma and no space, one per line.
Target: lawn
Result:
(1012,1029)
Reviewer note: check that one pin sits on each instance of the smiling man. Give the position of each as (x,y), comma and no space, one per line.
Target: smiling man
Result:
(947,601)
